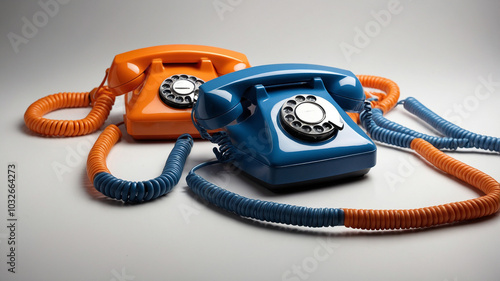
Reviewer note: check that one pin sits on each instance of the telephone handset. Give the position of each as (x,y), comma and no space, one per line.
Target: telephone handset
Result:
(287,123)
(128,69)
(161,85)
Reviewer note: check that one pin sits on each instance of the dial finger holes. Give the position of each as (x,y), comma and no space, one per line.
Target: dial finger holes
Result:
(319,129)
(300,98)
(180,90)
(311,98)
(306,117)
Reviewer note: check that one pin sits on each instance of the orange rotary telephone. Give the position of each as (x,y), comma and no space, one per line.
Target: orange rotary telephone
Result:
(160,85)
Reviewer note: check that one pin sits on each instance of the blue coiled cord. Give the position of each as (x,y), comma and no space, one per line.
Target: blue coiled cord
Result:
(262,210)
(253,208)
(131,191)
(449,129)
(438,142)
(382,134)
(381,129)
(225,150)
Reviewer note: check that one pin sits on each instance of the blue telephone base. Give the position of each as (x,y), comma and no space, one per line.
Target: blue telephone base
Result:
(308,184)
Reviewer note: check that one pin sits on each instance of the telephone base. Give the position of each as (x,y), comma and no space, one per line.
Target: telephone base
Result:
(160,129)
(309,184)
(337,166)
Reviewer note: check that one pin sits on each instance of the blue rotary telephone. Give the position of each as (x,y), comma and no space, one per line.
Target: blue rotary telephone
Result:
(285,124)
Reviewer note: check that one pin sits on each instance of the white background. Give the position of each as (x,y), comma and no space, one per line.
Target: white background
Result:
(437,51)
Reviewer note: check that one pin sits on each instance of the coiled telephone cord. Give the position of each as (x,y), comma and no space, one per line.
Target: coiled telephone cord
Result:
(101,99)
(132,191)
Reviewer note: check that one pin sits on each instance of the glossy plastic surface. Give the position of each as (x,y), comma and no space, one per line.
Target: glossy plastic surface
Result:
(266,151)
(128,69)
(139,74)
(222,105)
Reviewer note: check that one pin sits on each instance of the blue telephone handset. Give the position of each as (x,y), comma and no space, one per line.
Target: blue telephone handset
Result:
(287,123)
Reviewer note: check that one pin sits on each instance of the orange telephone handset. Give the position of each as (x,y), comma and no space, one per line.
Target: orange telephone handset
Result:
(160,84)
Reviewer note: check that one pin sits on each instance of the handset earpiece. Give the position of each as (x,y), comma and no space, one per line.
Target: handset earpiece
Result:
(127,70)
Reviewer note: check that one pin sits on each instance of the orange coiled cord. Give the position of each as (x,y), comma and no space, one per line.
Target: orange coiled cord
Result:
(96,162)
(435,215)
(388,86)
(385,101)
(101,99)
(69,128)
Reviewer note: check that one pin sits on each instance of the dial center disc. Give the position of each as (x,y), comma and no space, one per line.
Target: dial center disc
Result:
(311,113)
(183,87)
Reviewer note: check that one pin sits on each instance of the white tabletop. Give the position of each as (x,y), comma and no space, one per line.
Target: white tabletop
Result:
(444,53)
